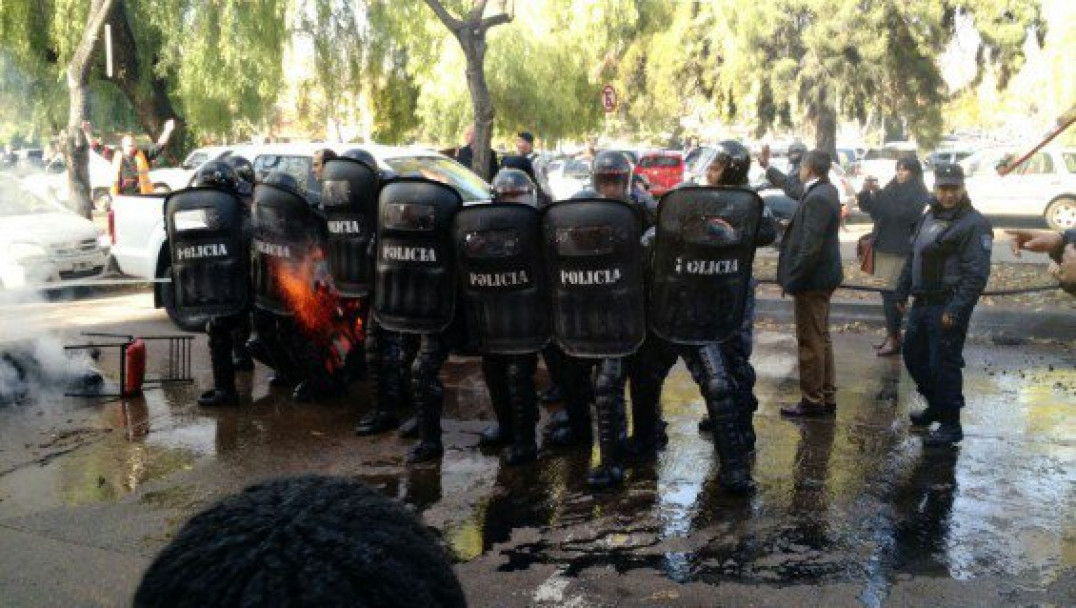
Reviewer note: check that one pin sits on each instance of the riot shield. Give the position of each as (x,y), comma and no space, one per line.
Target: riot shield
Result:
(501,277)
(349,199)
(703,252)
(286,231)
(210,259)
(415,278)
(594,262)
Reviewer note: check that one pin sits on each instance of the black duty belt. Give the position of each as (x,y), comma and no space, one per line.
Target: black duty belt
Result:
(933,298)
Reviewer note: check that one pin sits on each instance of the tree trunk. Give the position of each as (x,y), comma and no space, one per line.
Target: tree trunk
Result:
(825,123)
(471,34)
(76,155)
(474,49)
(144,90)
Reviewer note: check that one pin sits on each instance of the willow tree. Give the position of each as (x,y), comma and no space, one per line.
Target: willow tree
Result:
(824,59)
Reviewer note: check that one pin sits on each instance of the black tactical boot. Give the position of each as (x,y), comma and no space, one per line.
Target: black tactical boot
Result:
(925,416)
(610,472)
(524,414)
(948,433)
(732,452)
(376,422)
(220,355)
(429,445)
(408,429)
(215,397)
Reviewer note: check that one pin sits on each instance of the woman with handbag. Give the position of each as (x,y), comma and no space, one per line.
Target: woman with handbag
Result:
(894,210)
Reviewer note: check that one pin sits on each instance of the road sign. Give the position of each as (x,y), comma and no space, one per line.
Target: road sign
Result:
(609,98)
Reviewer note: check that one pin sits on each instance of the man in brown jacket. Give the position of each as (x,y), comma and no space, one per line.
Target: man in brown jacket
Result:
(809,269)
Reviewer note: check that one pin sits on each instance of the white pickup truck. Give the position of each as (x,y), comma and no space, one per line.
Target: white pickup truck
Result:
(136,222)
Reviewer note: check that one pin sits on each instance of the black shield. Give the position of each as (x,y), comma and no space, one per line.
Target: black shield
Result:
(210,261)
(501,278)
(594,261)
(703,252)
(415,276)
(349,200)
(287,232)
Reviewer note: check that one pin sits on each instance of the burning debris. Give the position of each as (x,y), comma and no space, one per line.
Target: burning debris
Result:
(332,323)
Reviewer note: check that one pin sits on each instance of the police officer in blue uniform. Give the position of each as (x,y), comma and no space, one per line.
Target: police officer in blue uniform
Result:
(945,274)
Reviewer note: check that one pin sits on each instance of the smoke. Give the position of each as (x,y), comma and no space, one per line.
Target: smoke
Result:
(33,361)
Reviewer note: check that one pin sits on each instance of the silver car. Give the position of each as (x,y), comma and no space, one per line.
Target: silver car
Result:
(1043,186)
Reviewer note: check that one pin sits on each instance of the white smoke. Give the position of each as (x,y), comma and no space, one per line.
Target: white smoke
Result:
(33,361)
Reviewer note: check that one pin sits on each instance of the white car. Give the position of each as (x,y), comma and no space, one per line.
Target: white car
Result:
(40,241)
(570,177)
(882,162)
(1044,186)
(52,184)
(177,178)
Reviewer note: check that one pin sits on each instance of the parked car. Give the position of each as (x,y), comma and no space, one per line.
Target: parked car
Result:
(569,178)
(945,156)
(1044,186)
(137,226)
(167,179)
(663,170)
(41,241)
(30,159)
(882,162)
(52,185)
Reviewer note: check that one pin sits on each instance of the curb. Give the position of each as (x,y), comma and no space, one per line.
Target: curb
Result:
(986,320)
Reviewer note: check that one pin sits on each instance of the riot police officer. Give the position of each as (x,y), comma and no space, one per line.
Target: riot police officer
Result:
(730,167)
(945,273)
(287,235)
(594,253)
(504,294)
(415,274)
(699,289)
(244,171)
(205,225)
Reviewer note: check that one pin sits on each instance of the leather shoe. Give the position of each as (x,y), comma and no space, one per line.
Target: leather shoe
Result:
(802,409)
(409,428)
(947,434)
(493,436)
(889,348)
(425,451)
(925,417)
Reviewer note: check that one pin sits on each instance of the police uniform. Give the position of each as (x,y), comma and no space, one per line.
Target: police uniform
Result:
(945,274)
(701,310)
(210,260)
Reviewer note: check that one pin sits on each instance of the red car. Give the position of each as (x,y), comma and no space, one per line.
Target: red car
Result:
(664,170)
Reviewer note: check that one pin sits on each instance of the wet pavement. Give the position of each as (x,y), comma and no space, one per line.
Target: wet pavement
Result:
(848,512)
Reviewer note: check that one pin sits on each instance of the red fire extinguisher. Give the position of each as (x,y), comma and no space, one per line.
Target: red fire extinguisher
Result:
(134,367)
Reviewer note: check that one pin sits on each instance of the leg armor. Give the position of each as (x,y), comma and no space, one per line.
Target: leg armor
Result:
(385,368)
(609,406)
(495,371)
(427,394)
(708,369)
(523,400)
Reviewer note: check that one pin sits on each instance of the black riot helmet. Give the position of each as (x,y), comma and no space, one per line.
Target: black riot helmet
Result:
(611,175)
(361,155)
(796,152)
(244,170)
(514,186)
(282,180)
(735,160)
(216,174)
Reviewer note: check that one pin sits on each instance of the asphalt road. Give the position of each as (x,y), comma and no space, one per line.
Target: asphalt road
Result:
(848,512)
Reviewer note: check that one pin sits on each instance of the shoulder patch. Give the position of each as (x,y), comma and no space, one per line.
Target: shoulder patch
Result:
(987,241)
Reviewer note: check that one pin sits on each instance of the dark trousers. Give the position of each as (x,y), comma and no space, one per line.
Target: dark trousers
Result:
(427,390)
(818,376)
(388,358)
(221,331)
(510,380)
(934,356)
(893,317)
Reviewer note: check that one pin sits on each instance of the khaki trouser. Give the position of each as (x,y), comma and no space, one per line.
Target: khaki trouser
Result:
(817,374)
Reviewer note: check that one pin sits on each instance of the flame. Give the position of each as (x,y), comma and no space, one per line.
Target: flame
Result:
(331,322)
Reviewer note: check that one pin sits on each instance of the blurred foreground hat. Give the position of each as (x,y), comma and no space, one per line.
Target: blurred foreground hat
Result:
(948,175)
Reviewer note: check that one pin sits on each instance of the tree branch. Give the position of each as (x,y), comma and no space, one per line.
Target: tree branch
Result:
(453,24)
(495,20)
(476,12)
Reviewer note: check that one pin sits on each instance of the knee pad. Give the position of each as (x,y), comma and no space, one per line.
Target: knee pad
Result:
(716,389)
